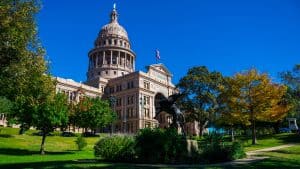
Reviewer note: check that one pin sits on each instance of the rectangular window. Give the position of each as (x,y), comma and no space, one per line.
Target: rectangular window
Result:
(147,112)
(146,85)
(119,102)
(146,100)
(111,90)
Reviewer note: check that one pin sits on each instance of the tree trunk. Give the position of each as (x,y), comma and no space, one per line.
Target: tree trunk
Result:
(42,150)
(253,133)
(276,126)
(232,134)
(200,130)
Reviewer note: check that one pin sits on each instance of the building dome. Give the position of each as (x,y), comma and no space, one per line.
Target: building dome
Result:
(111,56)
(113,29)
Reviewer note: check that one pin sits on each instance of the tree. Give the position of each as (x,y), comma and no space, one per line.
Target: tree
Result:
(292,80)
(201,89)
(24,76)
(24,73)
(230,115)
(51,114)
(251,97)
(93,113)
(5,105)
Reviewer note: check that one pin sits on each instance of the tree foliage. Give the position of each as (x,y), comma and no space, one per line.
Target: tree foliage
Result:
(5,106)
(249,97)
(201,89)
(24,76)
(93,113)
(51,114)
(292,80)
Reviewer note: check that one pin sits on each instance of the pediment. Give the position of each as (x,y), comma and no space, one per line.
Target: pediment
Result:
(160,68)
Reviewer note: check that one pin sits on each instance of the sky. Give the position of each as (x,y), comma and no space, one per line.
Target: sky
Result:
(228,36)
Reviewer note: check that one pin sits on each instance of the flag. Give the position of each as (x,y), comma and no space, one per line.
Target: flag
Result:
(157,54)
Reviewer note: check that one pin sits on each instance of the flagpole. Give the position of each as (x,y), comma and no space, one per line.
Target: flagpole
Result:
(157,56)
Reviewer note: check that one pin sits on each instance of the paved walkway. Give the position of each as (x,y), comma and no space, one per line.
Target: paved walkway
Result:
(252,156)
(260,151)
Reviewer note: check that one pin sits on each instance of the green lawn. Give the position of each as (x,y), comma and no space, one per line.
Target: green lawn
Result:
(22,151)
(271,141)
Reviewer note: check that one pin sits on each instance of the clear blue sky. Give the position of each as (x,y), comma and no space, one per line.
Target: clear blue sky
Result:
(224,35)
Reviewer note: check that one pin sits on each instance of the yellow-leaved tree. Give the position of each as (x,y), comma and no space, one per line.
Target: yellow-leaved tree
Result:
(249,97)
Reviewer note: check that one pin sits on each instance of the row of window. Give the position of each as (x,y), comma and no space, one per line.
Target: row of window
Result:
(114,42)
(130,100)
(119,87)
(129,127)
(130,113)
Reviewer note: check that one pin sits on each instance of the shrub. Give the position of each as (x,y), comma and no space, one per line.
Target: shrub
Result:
(116,148)
(236,151)
(80,142)
(160,146)
(214,149)
(68,134)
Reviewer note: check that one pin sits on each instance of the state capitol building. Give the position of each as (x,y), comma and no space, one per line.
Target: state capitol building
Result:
(111,74)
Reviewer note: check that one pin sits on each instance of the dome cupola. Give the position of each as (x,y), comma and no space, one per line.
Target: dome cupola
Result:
(111,56)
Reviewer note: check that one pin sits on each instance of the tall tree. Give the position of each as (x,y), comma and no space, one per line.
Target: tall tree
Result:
(201,89)
(5,106)
(251,97)
(292,80)
(93,113)
(24,75)
(51,114)
(230,116)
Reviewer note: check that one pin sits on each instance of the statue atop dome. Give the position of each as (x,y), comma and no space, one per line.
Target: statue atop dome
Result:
(114,14)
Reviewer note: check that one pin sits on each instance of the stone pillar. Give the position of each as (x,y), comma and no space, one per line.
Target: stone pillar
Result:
(118,58)
(111,53)
(96,57)
(103,60)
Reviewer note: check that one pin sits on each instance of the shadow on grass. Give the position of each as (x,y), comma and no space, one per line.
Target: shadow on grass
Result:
(22,152)
(290,138)
(78,164)
(6,135)
(270,163)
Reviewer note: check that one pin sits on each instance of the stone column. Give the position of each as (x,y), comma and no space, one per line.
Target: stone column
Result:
(96,57)
(111,52)
(103,60)
(118,58)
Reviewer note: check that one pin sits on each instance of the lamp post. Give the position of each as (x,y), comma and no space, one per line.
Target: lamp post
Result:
(112,101)
(142,107)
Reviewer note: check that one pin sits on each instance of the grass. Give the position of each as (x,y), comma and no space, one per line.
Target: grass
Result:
(22,151)
(271,141)
(287,158)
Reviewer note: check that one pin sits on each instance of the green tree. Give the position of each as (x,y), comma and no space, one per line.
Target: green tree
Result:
(93,113)
(292,80)
(51,114)
(5,105)
(201,89)
(24,75)
(251,97)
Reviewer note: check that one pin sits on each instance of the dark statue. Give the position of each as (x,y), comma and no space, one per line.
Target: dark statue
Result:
(169,106)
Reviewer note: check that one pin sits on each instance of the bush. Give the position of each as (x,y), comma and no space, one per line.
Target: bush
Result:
(236,151)
(160,146)
(68,134)
(214,149)
(80,142)
(116,148)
